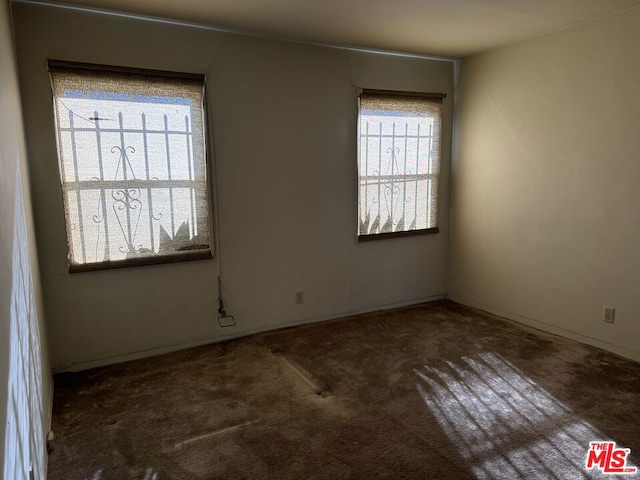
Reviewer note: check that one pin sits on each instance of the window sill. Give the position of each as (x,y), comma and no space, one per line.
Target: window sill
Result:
(408,233)
(143,261)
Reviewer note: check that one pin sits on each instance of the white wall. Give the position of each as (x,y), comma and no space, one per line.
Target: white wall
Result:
(283,120)
(546,202)
(25,380)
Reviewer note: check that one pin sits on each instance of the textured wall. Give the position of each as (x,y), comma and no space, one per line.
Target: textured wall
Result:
(25,379)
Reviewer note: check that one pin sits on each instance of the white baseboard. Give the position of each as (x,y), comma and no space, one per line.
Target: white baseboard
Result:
(545,327)
(152,352)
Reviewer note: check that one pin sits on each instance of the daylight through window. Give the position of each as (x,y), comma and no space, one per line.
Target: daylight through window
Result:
(132,160)
(398,163)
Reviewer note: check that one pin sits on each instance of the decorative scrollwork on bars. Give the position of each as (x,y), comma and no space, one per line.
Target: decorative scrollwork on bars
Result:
(391,189)
(126,201)
(392,194)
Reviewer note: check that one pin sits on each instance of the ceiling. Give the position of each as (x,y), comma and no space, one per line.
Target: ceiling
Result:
(449,28)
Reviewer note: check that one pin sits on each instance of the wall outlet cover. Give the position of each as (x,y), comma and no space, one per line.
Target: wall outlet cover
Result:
(608,314)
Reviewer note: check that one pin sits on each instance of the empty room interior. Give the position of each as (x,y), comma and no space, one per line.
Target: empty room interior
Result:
(329,240)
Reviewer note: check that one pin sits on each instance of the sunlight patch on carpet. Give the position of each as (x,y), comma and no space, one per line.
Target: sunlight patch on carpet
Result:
(502,423)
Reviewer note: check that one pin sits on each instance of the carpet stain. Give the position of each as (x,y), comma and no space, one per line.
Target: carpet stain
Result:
(207,436)
(304,376)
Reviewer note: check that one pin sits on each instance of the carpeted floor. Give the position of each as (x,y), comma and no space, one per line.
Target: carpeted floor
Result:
(434,391)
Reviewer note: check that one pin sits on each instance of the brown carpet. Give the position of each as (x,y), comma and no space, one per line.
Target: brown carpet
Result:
(434,391)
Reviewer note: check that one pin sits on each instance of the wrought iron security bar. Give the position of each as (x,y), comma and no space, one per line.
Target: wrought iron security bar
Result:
(117,228)
(398,177)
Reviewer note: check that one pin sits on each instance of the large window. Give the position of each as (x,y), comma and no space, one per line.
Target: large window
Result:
(398,163)
(131,149)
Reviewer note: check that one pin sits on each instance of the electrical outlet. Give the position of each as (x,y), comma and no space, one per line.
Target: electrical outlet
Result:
(299,297)
(607,314)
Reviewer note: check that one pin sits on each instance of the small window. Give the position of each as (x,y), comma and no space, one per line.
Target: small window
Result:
(398,163)
(131,149)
